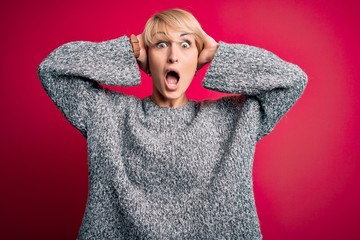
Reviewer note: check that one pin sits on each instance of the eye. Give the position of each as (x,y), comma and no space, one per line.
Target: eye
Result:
(185,44)
(161,45)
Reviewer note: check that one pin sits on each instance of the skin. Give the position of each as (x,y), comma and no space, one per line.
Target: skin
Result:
(177,52)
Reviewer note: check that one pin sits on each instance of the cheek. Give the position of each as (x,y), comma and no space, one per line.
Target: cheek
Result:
(154,63)
(151,60)
(192,63)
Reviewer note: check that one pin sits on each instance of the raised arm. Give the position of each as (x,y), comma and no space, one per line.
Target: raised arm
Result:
(259,74)
(71,75)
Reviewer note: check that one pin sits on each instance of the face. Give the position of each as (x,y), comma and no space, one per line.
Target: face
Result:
(172,63)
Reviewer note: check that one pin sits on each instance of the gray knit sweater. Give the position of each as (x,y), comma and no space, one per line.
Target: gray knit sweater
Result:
(170,173)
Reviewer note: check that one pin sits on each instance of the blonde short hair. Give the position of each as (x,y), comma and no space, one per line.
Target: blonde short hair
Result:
(176,19)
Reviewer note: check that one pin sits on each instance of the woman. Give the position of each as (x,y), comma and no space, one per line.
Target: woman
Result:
(166,167)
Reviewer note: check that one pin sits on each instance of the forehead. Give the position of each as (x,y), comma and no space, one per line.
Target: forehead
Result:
(172,34)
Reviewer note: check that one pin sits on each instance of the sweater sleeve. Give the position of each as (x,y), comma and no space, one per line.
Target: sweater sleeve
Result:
(260,75)
(71,75)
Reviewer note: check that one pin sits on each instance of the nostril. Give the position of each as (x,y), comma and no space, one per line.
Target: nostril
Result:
(172,60)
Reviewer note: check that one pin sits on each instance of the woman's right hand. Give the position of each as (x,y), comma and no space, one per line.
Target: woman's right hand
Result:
(142,58)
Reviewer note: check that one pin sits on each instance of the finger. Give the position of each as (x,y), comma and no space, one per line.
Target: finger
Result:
(135,45)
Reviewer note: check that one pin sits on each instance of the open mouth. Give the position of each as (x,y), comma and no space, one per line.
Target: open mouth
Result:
(172,80)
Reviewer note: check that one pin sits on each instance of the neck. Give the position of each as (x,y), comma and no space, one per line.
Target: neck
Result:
(161,101)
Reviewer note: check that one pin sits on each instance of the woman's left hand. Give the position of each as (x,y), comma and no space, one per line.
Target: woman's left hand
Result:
(208,52)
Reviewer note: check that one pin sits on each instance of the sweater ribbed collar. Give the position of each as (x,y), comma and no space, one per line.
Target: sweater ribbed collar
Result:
(185,112)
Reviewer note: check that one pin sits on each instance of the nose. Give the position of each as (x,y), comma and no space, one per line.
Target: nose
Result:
(173,55)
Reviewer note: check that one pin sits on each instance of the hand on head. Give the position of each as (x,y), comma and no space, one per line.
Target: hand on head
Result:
(139,49)
(208,52)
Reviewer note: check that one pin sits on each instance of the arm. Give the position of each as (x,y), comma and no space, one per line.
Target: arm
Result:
(71,75)
(259,74)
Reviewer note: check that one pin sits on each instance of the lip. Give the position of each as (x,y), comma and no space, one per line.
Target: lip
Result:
(168,86)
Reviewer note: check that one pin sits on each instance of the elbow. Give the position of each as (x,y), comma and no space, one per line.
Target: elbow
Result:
(300,78)
(300,84)
(41,71)
(42,68)
(44,73)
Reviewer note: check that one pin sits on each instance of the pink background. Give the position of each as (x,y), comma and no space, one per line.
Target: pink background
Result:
(306,173)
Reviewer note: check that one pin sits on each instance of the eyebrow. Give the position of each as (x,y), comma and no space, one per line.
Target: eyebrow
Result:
(181,35)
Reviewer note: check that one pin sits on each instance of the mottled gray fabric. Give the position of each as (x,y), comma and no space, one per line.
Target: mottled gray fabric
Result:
(170,173)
